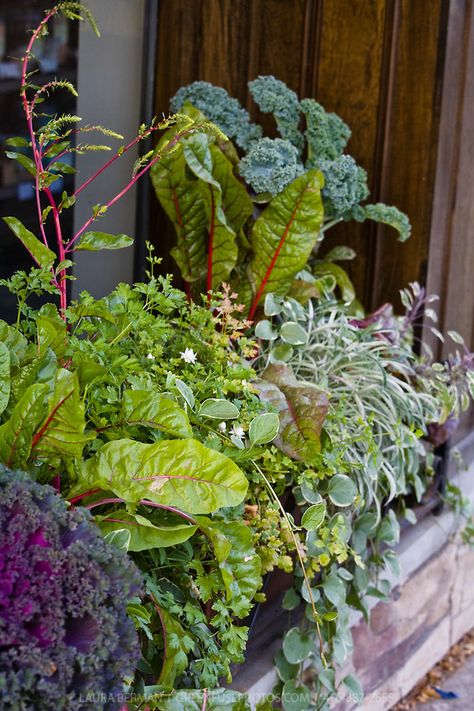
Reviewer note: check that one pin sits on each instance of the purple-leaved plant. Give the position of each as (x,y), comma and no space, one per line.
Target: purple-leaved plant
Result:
(64,629)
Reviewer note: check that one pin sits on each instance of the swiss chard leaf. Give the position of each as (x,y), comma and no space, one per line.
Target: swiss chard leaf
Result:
(222,246)
(179,473)
(143,533)
(181,197)
(302,408)
(61,433)
(155,411)
(16,435)
(5,381)
(284,235)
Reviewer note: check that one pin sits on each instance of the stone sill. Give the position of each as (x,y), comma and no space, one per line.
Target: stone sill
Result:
(432,607)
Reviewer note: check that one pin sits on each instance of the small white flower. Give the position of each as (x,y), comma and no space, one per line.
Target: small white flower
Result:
(237,431)
(247,558)
(150,356)
(188,355)
(222,426)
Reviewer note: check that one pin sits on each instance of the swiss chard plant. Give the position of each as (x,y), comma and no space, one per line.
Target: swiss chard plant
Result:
(254,213)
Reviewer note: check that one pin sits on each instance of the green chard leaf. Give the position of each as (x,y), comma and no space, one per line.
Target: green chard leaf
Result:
(156,411)
(285,234)
(61,433)
(16,435)
(222,246)
(143,533)
(5,381)
(181,197)
(180,473)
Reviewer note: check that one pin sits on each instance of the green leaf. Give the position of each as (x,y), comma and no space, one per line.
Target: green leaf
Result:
(297,646)
(180,473)
(156,411)
(120,538)
(61,433)
(341,278)
(51,331)
(391,216)
(341,490)
(339,254)
(95,241)
(285,233)
(264,329)
(302,408)
(295,696)
(182,199)
(239,565)
(17,142)
(43,256)
(314,516)
(5,381)
(327,677)
(353,685)
(281,353)
(291,600)
(291,332)
(14,341)
(23,160)
(185,392)
(143,534)
(16,434)
(264,428)
(218,409)
(175,659)
(62,167)
(211,166)
(335,590)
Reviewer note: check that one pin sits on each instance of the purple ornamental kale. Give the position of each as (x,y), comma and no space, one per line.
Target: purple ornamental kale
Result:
(66,641)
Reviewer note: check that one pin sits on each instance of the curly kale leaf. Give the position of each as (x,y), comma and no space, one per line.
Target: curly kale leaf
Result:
(64,629)
(345,186)
(272,96)
(389,215)
(326,133)
(270,165)
(220,108)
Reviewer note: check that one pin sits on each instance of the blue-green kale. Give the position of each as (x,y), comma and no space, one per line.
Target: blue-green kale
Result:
(270,165)
(389,215)
(326,133)
(66,641)
(220,108)
(345,186)
(272,96)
